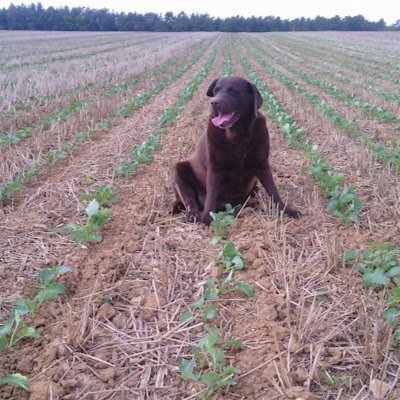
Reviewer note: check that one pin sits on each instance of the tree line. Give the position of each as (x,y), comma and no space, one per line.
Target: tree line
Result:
(36,17)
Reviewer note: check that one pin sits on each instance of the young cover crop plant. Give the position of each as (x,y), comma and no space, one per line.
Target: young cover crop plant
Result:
(14,330)
(380,267)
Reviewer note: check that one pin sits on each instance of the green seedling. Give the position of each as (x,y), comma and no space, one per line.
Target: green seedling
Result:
(380,266)
(6,140)
(14,329)
(222,220)
(335,382)
(209,359)
(331,380)
(7,188)
(345,204)
(104,195)
(232,260)
(228,58)
(378,263)
(211,293)
(96,218)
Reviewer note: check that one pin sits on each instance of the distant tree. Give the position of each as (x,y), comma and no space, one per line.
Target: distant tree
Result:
(86,19)
(181,23)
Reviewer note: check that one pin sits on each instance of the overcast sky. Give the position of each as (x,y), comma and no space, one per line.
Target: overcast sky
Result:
(372,10)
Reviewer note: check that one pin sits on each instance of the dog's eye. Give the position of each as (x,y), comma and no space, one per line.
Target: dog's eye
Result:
(231,90)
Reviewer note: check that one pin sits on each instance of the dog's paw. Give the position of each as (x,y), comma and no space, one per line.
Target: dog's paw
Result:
(176,207)
(206,219)
(293,213)
(193,216)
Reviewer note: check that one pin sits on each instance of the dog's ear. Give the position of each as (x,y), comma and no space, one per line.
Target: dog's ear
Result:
(257,99)
(211,88)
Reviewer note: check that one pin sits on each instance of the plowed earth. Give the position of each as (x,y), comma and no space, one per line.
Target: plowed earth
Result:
(116,332)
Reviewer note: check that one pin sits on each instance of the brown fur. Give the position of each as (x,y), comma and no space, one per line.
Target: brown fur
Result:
(228,160)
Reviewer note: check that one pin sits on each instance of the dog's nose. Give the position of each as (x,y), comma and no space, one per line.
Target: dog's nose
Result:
(215,102)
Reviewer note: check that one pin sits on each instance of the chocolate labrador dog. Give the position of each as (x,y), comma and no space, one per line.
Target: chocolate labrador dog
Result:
(230,157)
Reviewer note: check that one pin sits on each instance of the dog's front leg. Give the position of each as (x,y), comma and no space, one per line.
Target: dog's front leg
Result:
(212,188)
(264,175)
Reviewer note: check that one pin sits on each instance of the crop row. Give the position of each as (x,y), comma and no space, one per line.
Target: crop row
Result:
(20,180)
(330,70)
(344,203)
(349,62)
(74,107)
(12,68)
(350,127)
(349,98)
(32,83)
(105,82)
(207,367)
(60,46)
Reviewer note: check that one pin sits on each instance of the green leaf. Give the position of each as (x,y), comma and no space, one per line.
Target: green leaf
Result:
(28,331)
(16,379)
(245,287)
(395,271)
(229,250)
(185,316)
(210,378)
(51,293)
(46,276)
(359,267)
(217,355)
(228,279)
(92,208)
(208,313)
(392,315)
(210,294)
(349,255)
(199,303)
(237,261)
(215,240)
(24,306)
(62,269)
(374,278)
(6,328)
(213,331)
(186,369)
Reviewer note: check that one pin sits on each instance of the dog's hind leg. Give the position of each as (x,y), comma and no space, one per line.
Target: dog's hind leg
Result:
(187,188)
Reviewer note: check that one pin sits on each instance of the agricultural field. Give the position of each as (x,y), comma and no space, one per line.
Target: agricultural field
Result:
(106,295)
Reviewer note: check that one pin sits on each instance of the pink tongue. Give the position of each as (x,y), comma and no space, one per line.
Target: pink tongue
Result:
(222,119)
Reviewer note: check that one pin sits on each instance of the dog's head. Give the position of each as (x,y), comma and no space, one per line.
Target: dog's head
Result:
(234,99)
